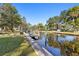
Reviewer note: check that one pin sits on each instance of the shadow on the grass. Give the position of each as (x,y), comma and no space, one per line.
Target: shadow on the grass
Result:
(28,51)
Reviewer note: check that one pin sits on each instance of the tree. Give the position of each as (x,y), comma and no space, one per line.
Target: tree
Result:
(53,23)
(9,16)
(40,27)
(67,20)
(50,24)
(73,14)
(24,25)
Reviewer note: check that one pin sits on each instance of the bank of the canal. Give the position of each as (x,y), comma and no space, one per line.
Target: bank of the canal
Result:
(40,51)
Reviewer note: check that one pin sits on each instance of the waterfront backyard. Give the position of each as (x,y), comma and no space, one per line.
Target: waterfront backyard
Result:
(39,29)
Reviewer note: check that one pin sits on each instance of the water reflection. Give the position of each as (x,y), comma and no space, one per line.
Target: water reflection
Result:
(45,42)
(54,43)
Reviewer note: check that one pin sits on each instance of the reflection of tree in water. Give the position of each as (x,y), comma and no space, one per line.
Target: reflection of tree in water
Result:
(52,40)
(69,48)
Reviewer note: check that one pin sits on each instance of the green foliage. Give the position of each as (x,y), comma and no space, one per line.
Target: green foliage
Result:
(67,17)
(53,22)
(39,27)
(10,18)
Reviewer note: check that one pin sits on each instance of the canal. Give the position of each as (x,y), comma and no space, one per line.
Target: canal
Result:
(54,42)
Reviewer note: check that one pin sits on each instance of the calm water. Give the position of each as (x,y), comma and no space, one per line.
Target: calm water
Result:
(43,42)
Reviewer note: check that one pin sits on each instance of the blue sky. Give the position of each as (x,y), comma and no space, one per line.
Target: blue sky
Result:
(41,12)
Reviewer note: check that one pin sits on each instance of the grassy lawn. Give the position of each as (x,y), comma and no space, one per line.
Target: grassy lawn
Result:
(15,46)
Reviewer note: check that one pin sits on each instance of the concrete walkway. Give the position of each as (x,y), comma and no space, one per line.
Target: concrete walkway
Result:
(40,51)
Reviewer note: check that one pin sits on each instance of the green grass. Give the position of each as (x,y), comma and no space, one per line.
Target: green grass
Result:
(15,46)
